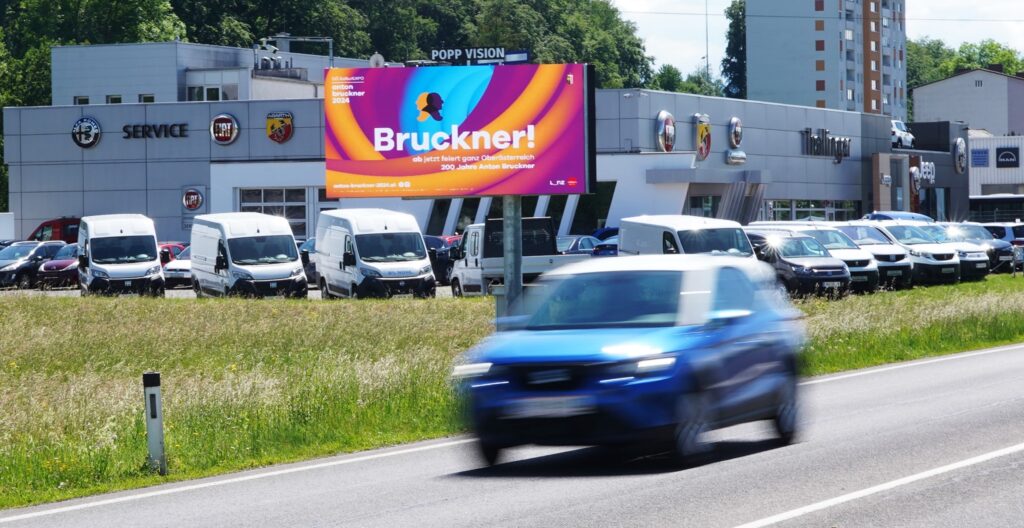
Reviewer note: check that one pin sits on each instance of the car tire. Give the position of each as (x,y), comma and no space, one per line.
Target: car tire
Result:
(787,410)
(690,446)
(489,452)
(448,274)
(324,294)
(456,288)
(899,143)
(24,281)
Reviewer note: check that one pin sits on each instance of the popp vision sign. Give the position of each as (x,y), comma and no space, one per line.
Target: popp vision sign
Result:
(459,131)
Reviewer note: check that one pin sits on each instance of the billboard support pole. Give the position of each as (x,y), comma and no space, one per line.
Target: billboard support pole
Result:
(512,231)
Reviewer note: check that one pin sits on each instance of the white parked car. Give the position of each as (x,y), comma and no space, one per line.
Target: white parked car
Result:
(178,272)
(933,261)
(901,137)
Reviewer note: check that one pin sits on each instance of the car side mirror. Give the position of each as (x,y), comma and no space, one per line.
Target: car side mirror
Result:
(220,263)
(348,260)
(721,318)
(304,255)
(455,253)
(83,261)
(165,256)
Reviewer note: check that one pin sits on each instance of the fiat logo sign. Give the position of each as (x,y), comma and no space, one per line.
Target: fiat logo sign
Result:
(224,129)
(666,131)
(192,199)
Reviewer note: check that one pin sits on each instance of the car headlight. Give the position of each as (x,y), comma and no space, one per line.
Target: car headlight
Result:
(153,271)
(802,270)
(296,272)
(369,272)
(961,254)
(426,269)
(100,274)
(71,266)
(241,275)
(921,254)
(470,370)
(641,367)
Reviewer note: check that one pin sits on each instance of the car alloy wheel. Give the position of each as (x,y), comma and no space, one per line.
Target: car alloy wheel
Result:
(456,288)
(24,281)
(689,445)
(786,411)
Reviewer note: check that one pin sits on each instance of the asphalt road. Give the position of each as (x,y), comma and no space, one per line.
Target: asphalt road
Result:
(924,444)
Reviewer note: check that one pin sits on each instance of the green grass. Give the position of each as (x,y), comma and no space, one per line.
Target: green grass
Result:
(253,383)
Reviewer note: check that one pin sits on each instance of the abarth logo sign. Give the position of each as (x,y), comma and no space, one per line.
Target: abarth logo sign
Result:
(279,126)
(86,132)
(703,133)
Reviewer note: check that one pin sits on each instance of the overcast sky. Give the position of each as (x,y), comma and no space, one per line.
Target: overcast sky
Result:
(673,30)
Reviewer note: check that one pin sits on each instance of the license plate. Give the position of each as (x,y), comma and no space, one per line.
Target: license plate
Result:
(896,273)
(1006,258)
(273,285)
(401,284)
(948,270)
(831,284)
(981,265)
(127,283)
(550,407)
(861,278)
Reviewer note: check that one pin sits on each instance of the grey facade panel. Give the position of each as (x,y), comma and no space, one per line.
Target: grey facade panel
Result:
(58,120)
(163,203)
(12,149)
(114,176)
(239,149)
(113,202)
(39,206)
(306,142)
(173,175)
(51,148)
(608,134)
(607,104)
(51,178)
(14,202)
(196,146)
(125,70)
(635,104)
(14,179)
(113,145)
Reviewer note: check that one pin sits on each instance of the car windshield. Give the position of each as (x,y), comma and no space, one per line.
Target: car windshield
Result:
(390,247)
(186,254)
(564,243)
(832,239)
(722,241)
(910,235)
(67,252)
(16,252)
(962,233)
(937,232)
(596,300)
(864,235)
(258,250)
(123,249)
(801,247)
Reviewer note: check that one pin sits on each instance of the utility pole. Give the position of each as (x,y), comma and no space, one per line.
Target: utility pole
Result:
(707,52)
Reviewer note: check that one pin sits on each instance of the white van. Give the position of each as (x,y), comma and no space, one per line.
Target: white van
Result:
(371,253)
(249,254)
(675,234)
(119,255)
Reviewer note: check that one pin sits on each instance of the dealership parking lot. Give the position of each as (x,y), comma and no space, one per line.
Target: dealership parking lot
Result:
(442,291)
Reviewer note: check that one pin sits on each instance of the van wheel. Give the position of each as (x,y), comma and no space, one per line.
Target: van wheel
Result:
(24,281)
(899,143)
(196,289)
(324,294)
(689,443)
(456,288)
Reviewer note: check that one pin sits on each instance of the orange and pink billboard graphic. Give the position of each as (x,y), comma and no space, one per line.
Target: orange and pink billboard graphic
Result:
(458,131)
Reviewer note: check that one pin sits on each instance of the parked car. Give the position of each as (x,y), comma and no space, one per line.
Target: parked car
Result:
(62,270)
(974,259)
(1011,232)
(657,350)
(576,244)
(170,251)
(20,262)
(862,265)
(608,247)
(178,272)
(246,254)
(897,215)
(1000,252)
(439,251)
(802,265)
(682,234)
(119,255)
(894,266)
(366,253)
(933,262)
(307,254)
(6,242)
(605,233)
(901,136)
(64,228)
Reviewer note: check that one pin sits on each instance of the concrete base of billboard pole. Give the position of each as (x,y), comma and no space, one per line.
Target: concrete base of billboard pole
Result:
(512,231)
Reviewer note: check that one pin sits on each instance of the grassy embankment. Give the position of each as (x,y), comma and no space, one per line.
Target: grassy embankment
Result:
(253,383)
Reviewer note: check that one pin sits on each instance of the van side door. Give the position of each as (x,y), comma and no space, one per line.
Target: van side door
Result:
(348,273)
(474,269)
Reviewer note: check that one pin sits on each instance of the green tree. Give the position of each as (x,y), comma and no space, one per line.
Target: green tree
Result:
(734,65)
(668,78)
(701,82)
(220,22)
(925,57)
(982,55)
(4,73)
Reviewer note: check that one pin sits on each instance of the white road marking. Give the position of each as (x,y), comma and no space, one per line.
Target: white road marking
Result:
(909,364)
(818,506)
(224,482)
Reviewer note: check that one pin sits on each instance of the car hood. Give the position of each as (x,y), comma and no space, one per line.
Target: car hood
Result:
(935,248)
(130,270)
(5,263)
(408,268)
(850,254)
(178,265)
(279,271)
(816,262)
(583,345)
(993,243)
(57,265)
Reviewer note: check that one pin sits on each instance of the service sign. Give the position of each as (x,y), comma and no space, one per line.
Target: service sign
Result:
(459,131)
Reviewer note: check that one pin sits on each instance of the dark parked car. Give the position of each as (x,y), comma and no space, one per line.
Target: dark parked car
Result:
(576,244)
(1000,252)
(20,262)
(608,247)
(605,233)
(307,252)
(5,243)
(802,264)
(439,251)
(651,349)
(62,270)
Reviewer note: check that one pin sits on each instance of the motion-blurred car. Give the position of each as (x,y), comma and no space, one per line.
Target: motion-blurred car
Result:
(1000,252)
(20,262)
(439,251)
(62,270)
(307,254)
(658,349)
(178,272)
(576,244)
(802,265)
(608,247)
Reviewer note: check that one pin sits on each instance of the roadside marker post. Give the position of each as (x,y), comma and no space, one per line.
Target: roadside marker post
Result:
(154,422)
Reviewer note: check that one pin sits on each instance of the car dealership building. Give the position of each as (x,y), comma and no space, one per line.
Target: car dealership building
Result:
(172,130)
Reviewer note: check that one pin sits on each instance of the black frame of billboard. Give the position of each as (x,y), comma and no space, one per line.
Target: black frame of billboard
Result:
(591,128)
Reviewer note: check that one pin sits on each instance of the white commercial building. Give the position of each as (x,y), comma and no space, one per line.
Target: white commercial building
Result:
(985,99)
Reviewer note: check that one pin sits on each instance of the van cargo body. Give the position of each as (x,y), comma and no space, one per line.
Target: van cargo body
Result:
(682,234)
(119,255)
(247,254)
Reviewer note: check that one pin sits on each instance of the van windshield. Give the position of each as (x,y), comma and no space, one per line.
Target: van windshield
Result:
(257,250)
(390,247)
(123,249)
(722,241)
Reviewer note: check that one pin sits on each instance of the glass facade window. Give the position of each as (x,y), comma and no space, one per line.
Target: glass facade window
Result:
(286,203)
(113,99)
(81,100)
(147,98)
(706,206)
